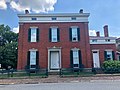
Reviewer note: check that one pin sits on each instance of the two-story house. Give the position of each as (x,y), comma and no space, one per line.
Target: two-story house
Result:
(60,40)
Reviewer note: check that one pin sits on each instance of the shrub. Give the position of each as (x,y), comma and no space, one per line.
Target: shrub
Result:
(111,66)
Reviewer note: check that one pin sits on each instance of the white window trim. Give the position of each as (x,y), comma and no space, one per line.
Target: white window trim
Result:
(52,35)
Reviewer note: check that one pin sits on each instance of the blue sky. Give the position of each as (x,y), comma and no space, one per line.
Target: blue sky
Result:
(102,12)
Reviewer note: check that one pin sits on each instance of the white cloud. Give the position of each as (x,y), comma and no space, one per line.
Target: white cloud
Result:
(3,4)
(92,33)
(33,5)
(16,29)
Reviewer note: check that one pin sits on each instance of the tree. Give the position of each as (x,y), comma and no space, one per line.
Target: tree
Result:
(8,47)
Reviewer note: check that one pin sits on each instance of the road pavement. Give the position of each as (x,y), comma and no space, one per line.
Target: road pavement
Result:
(92,85)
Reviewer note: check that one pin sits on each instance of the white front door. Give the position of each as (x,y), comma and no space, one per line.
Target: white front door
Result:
(96,61)
(54,60)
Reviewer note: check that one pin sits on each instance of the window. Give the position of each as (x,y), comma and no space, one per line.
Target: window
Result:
(76,59)
(74,34)
(54,34)
(107,40)
(54,18)
(33,34)
(33,59)
(109,55)
(73,18)
(34,18)
(94,40)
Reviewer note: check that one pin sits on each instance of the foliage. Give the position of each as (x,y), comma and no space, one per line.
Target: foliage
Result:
(8,47)
(111,66)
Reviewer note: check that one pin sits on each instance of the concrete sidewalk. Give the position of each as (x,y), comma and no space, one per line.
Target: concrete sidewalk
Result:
(57,79)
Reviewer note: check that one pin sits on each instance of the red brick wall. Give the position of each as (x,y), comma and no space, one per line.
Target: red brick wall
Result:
(102,48)
(44,43)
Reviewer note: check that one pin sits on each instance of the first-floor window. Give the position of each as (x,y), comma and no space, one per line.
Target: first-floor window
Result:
(33,59)
(109,55)
(75,56)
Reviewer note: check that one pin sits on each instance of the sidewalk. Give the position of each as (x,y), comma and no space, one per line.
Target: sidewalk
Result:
(57,79)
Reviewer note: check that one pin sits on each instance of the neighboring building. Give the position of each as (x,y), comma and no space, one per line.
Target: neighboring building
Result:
(60,40)
(118,48)
(102,48)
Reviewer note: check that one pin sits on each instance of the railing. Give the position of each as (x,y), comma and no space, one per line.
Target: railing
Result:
(76,72)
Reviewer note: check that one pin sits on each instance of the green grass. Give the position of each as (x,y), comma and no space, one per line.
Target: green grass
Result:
(83,74)
(22,75)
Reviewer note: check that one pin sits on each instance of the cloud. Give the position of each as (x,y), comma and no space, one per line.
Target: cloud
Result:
(33,5)
(16,29)
(3,4)
(92,33)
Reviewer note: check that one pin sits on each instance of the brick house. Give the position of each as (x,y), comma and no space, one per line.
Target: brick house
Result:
(59,40)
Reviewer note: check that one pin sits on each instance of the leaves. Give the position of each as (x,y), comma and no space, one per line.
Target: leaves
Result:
(8,47)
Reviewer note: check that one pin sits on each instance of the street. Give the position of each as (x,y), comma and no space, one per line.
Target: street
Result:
(93,85)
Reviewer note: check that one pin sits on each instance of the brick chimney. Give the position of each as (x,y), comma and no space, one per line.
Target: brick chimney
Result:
(98,34)
(26,12)
(81,11)
(106,31)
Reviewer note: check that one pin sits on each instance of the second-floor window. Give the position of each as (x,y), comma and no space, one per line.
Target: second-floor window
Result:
(33,34)
(54,34)
(74,34)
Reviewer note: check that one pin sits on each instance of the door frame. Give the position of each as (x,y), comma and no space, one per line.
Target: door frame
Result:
(93,58)
(49,58)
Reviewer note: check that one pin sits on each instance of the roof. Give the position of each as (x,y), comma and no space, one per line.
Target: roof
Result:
(102,38)
(55,15)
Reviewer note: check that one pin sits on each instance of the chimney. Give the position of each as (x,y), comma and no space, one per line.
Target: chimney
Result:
(81,11)
(26,12)
(98,34)
(106,31)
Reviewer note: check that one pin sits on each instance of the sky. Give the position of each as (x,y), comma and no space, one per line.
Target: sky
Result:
(102,12)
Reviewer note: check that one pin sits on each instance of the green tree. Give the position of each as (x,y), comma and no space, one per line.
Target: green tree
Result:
(8,47)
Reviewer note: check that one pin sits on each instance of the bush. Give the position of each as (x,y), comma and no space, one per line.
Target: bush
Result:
(111,66)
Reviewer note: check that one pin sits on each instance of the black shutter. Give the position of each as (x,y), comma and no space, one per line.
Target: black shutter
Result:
(37,58)
(29,35)
(28,59)
(80,59)
(105,55)
(37,36)
(78,33)
(113,55)
(70,34)
(71,58)
(50,37)
(119,57)
(58,34)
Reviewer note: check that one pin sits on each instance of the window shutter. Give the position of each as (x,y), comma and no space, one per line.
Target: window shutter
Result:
(37,36)
(70,34)
(78,33)
(80,59)
(119,57)
(71,58)
(105,55)
(29,35)
(37,58)
(50,37)
(58,34)
(28,58)
(113,55)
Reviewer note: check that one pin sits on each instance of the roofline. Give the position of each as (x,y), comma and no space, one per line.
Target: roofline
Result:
(55,15)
